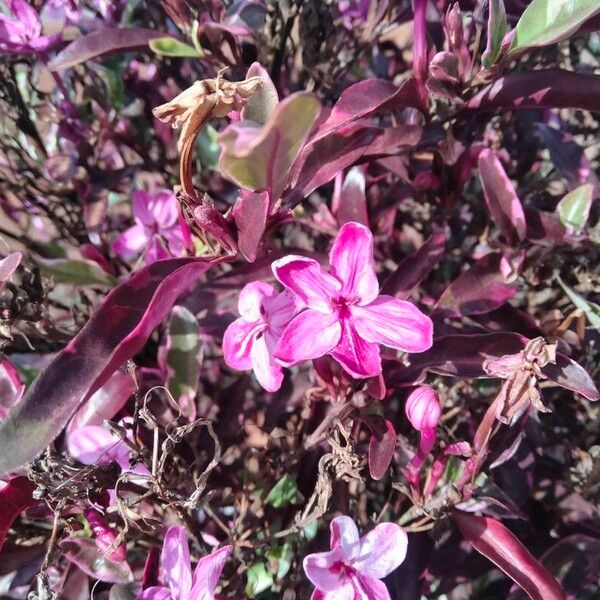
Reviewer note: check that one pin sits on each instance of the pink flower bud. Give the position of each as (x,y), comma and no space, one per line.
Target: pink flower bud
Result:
(423,408)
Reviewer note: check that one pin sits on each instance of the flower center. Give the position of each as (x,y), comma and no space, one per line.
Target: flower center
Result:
(342,305)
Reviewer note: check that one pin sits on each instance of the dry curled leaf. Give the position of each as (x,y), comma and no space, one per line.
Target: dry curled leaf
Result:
(191,109)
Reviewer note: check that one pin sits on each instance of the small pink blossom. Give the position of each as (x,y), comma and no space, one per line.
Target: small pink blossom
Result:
(158,230)
(423,408)
(21,33)
(345,316)
(249,342)
(355,565)
(176,571)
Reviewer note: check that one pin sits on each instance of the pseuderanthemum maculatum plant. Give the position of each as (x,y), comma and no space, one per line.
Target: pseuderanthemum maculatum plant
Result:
(273,272)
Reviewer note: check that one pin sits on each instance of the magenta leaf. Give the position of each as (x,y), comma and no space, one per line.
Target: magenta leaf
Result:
(250,216)
(107,40)
(118,329)
(415,268)
(381,445)
(501,198)
(15,497)
(480,289)
(492,539)
(544,88)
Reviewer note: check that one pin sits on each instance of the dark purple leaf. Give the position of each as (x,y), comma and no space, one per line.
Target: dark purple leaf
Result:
(569,375)
(415,268)
(15,497)
(492,539)
(480,289)
(403,137)
(107,40)
(117,330)
(250,216)
(365,98)
(501,198)
(381,445)
(544,88)
(320,162)
(568,157)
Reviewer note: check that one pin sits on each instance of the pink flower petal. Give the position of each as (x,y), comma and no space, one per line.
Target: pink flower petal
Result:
(237,343)
(381,550)
(305,277)
(140,203)
(279,311)
(131,242)
(344,534)
(369,588)
(175,563)
(358,357)
(155,593)
(207,573)
(163,208)
(175,239)
(344,592)
(267,371)
(310,334)
(351,259)
(156,250)
(394,323)
(251,298)
(318,568)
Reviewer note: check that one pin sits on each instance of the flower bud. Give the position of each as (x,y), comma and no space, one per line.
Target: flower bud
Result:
(423,408)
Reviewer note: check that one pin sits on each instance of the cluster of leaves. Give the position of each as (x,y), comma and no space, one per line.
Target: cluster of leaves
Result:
(463,137)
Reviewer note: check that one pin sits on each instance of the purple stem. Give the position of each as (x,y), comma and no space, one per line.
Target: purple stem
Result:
(420,40)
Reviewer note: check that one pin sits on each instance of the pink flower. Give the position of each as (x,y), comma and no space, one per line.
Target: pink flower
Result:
(354,565)
(180,583)
(158,230)
(249,341)
(22,33)
(345,316)
(423,408)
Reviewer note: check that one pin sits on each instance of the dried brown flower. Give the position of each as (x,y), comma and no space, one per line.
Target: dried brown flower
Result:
(191,109)
(522,372)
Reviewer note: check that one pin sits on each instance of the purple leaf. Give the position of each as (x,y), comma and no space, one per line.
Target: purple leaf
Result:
(568,157)
(492,539)
(250,216)
(116,331)
(414,268)
(260,158)
(93,560)
(569,375)
(381,445)
(402,138)
(320,162)
(365,98)
(480,289)
(349,202)
(107,40)
(544,88)
(15,497)
(419,41)
(501,198)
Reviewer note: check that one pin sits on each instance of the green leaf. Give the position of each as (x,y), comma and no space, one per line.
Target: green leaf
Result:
(284,492)
(497,28)
(590,309)
(546,22)
(208,147)
(574,209)
(282,557)
(260,158)
(168,46)
(76,272)
(259,579)
(183,357)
